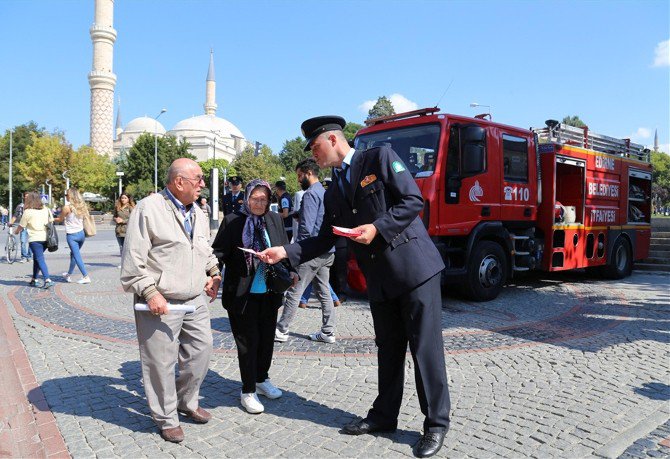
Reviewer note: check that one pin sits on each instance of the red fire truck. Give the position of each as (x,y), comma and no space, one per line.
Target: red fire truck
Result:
(500,199)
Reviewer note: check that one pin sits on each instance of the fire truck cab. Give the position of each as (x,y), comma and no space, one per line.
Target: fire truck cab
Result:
(500,199)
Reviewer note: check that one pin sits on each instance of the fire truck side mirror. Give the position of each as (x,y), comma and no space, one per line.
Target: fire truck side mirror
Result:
(474,149)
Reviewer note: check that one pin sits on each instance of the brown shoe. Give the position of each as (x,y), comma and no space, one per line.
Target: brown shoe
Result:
(174,435)
(302,305)
(201,416)
(336,303)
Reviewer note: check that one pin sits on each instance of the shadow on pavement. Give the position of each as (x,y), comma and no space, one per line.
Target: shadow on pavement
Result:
(121,400)
(654,391)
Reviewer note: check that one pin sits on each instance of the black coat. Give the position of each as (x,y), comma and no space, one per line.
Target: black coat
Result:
(237,278)
(384,193)
(230,206)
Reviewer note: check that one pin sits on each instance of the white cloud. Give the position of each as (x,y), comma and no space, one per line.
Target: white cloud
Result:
(662,54)
(400,104)
(641,134)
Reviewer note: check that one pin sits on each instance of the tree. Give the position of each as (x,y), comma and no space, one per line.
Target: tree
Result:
(139,164)
(206,167)
(660,177)
(383,107)
(265,166)
(21,139)
(92,172)
(574,121)
(47,157)
(350,130)
(292,152)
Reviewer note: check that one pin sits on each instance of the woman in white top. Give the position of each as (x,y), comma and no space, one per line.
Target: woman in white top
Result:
(35,218)
(72,217)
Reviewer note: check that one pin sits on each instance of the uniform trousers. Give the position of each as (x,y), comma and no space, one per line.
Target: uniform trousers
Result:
(253,328)
(414,317)
(164,341)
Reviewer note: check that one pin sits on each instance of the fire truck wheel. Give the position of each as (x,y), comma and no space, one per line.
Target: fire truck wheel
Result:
(487,272)
(621,263)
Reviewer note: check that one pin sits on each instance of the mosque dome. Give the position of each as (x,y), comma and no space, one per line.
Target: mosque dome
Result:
(198,125)
(144,124)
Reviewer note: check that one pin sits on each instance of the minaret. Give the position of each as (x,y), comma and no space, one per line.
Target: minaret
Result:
(210,91)
(101,79)
(656,140)
(118,128)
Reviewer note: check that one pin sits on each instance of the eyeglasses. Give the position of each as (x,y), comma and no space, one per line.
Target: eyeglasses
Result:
(261,201)
(197,179)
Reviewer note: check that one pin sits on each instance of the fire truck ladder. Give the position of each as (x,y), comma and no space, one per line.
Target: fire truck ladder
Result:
(569,135)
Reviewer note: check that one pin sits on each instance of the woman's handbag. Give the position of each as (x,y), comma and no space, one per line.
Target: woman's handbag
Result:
(277,278)
(52,237)
(89,226)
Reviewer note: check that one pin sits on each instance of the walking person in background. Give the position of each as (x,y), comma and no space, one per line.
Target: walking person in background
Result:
(124,205)
(72,216)
(317,270)
(285,202)
(4,215)
(35,218)
(202,203)
(252,308)
(26,253)
(233,201)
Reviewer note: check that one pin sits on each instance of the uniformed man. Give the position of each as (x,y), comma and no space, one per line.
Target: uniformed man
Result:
(375,195)
(285,204)
(233,200)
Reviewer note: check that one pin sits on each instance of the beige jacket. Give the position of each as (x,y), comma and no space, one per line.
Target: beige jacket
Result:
(158,255)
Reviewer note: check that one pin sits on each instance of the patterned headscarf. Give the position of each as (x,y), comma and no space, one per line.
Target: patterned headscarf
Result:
(254,227)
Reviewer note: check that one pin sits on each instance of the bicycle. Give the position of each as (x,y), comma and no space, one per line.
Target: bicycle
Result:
(11,245)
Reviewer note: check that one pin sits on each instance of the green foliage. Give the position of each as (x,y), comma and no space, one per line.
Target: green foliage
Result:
(573,121)
(206,167)
(383,107)
(139,163)
(92,172)
(350,130)
(265,166)
(21,139)
(661,176)
(292,152)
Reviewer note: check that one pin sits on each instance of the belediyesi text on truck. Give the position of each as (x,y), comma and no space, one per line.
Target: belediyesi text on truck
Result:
(499,200)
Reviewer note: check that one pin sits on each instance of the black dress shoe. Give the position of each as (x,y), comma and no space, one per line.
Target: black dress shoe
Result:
(366,426)
(429,444)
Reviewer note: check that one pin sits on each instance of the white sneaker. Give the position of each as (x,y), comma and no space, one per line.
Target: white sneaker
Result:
(67,277)
(322,337)
(280,337)
(24,260)
(84,280)
(251,403)
(268,389)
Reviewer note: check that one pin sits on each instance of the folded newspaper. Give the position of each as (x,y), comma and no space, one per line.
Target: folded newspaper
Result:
(171,307)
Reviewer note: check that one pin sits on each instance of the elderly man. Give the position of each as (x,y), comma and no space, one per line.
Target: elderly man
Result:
(167,261)
(374,195)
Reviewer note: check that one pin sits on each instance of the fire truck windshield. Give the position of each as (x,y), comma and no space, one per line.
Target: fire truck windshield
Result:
(416,146)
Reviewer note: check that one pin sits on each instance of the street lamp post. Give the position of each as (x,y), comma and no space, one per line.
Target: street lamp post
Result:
(475,104)
(48,183)
(67,186)
(156,149)
(11,178)
(214,195)
(120,174)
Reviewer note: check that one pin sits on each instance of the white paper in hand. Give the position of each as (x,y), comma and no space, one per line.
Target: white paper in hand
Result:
(187,308)
(251,251)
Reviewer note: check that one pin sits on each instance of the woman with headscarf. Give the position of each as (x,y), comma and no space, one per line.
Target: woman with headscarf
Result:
(251,306)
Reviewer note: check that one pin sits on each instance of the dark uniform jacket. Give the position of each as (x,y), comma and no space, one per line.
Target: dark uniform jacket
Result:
(384,193)
(237,278)
(230,205)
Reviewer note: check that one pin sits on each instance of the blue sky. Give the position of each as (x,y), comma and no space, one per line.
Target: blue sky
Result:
(279,62)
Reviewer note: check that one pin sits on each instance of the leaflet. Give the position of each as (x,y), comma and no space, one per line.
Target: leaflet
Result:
(251,251)
(347,232)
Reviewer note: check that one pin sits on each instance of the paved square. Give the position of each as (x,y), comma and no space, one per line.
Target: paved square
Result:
(557,366)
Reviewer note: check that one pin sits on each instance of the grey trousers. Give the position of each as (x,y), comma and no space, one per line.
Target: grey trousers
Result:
(164,341)
(317,270)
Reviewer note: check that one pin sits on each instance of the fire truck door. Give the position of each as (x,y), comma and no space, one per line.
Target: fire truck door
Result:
(467,178)
(519,195)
